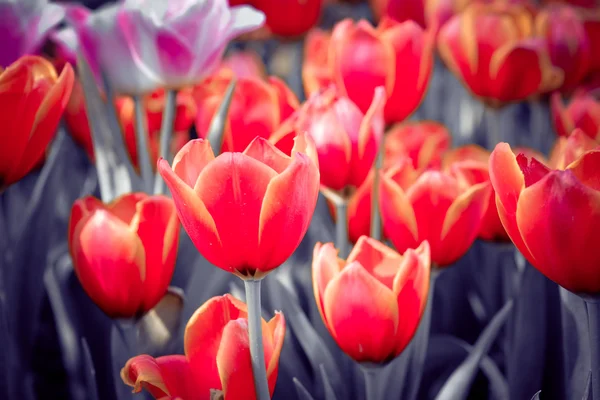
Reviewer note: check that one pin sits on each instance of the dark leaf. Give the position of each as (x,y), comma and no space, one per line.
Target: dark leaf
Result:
(216,130)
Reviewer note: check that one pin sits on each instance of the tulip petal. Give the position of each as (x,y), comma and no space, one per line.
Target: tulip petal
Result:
(377,259)
(558,218)
(563,123)
(288,102)
(288,205)
(109,261)
(586,169)
(397,214)
(359,209)
(316,73)
(275,332)
(462,223)
(158,228)
(82,208)
(516,72)
(175,56)
(125,207)
(263,151)
(411,285)
(194,216)
(191,160)
(325,266)
(362,314)
(234,362)
(164,376)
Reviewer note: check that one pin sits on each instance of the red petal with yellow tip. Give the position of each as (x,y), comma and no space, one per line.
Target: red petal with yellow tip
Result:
(516,72)
(563,123)
(109,261)
(125,207)
(362,314)
(423,142)
(288,205)
(260,149)
(234,362)
(82,208)
(362,62)
(567,150)
(411,284)
(558,218)
(462,223)
(325,266)
(316,73)
(164,376)
(194,216)
(191,160)
(241,182)
(508,181)
(587,168)
(378,259)
(158,228)
(275,333)
(359,209)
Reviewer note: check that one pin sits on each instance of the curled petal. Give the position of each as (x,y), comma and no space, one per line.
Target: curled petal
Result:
(263,151)
(379,260)
(191,160)
(164,376)
(325,266)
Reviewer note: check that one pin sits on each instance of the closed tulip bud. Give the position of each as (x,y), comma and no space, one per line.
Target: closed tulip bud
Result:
(32,100)
(235,207)
(552,215)
(217,356)
(372,302)
(124,252)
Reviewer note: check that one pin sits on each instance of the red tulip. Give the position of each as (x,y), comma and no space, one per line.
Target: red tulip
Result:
(400,10)
(569,149)
(591,25)
(347,140)
(437,207)
(32,100)
(124,252)
(257,107)
(235,207)
(372,302)
(552,215)
(290,17)
(491,50)
(568,45)
(423,142)
(358,58)
(583,112)
(217,356)
(245,64)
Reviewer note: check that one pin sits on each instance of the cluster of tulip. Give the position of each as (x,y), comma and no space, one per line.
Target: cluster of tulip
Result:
(246,189)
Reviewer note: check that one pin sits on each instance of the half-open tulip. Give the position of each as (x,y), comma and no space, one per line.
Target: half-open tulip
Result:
(373,301)
(583,112)
(32,100)
(290,17)
(568,45)
(437,207)
(24,26)
(490,48)
(142,45)
(257,108)
(358,58)
(124,252)
(423,142)
(347,140)
(568,149)
(245,212)
(552,215)
(217,356)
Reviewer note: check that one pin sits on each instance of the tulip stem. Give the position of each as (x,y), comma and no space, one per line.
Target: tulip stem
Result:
(593,311)
(141,140)
(166,132)
(493,127)
(257,352)
(375,217)
(341,228)
(372,386)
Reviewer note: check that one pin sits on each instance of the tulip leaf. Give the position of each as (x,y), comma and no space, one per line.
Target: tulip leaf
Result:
(587,393)
(329,393)
(216,131)
(303,394)
(458,384)
(90,371)
(536,396)
(115,172)
(166,132)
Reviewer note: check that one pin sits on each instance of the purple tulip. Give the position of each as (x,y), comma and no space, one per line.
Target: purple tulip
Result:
(24,26)
(142,45)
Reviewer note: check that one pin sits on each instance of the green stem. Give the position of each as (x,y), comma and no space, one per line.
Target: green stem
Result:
(166,131)
(141,140)
(257,352)
(375,217)
(593,311)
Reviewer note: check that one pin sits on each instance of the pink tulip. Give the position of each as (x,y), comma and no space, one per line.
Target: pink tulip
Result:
(142,45)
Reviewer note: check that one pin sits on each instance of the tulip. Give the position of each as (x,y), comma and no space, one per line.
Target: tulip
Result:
(143,45)
(552,215)
(491,50)
(568,149)
(290,17)
(235,207)
(346,140)
(217,356)
(32,100)
(470,164)
(24,27)
(244,64)
(591,25)
(568,45)
(372,302)
(358,58)
(400,10)
(583,112)
(124,252)
(257,107)
(436,207)
(423,142)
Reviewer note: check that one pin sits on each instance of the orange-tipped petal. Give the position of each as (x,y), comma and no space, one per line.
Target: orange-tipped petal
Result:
(316,73)
(241,182)
(567,150)
(263,151)
(164,376)
(362,315)
(563,122)
(359,209)
(288,205)
(275,332)
(378,259)
(191,160)
(234,362)
(325,266)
